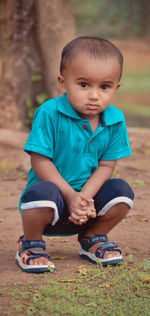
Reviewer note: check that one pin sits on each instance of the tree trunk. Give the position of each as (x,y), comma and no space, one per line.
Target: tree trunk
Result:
(33,33)
(55,28)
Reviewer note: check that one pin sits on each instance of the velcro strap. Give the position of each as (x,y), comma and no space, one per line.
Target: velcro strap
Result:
(107,246)
(37,252)
(33,254)
(27,244)
(98,238)
(87,242)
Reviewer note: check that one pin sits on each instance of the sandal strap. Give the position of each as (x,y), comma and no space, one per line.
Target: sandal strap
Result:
(32,254)
(27,244)
(107,246)
(87,242)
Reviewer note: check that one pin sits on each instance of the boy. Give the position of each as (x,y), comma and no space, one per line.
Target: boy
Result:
(74,144)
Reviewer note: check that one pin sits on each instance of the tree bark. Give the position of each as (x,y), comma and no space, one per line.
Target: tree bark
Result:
(55,27)
(33,33)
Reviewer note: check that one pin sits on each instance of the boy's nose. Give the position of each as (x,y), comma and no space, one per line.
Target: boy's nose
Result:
(94,94)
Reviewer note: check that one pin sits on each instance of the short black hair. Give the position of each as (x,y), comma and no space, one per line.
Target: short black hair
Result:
(93,46)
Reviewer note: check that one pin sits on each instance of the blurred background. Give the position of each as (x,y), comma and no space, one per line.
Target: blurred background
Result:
(32,35)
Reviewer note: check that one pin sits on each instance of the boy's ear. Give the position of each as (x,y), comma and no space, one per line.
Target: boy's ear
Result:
(61,81)
(118,85)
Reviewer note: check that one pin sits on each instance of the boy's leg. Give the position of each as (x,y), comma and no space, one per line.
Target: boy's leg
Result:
(104,224)
(41,204)
(112,204)
(34,222)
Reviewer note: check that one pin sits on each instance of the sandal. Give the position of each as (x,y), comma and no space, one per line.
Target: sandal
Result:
(87,242)
(24,254)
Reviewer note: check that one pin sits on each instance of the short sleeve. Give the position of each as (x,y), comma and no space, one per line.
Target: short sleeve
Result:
(118,145)
(41,137)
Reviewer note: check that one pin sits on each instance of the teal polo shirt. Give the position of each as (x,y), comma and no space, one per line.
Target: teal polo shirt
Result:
(60,134)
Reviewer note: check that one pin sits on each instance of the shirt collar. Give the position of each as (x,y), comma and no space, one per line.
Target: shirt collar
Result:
(110,116)
(65,107)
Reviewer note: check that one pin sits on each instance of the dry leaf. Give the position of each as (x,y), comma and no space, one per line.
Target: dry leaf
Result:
(57,237)
(67,280)
(4,165)
(91,304)
(107,285)
(36,294)
(30,307)
(5,194)
(23,176)
(142,219)
(116,172)
(53,237)
(146,280)
(138,183)
(57,257)
(82,270)
(145,277)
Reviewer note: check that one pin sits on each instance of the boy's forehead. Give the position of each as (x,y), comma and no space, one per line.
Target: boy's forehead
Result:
(85,65)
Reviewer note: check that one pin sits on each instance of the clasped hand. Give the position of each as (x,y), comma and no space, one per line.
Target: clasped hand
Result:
(81,208)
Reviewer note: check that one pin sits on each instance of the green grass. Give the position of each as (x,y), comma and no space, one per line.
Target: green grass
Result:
(117,291)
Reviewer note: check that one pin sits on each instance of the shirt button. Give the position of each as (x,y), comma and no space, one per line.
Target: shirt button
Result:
(84,126)
(91,141)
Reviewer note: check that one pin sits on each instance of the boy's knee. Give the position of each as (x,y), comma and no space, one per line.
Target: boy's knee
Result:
(114,192)
(122,188)
(39,191)
(41,196)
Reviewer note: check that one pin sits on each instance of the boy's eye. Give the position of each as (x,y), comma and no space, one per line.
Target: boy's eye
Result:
(83,84)
(104,87)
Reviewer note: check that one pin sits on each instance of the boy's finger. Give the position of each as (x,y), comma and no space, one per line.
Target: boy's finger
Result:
(77,216)
(91,203)
(80,212)
(91,213)
(83,203)
(82,221)
(91,210)
(77,222)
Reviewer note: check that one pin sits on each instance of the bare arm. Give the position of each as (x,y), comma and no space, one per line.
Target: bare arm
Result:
(46,171)
(97,179)
(77,201)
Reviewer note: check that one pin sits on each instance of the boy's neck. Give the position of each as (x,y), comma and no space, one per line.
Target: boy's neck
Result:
(94,122)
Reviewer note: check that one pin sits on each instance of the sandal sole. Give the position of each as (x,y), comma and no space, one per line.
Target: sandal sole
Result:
(92,258)
(33,268)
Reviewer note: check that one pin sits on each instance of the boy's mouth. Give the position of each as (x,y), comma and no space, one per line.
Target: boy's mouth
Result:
(92,106)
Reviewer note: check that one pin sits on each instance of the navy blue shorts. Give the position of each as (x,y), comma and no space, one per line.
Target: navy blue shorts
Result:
(46,194)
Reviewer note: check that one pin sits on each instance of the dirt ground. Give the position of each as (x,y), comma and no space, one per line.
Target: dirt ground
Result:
(132,234)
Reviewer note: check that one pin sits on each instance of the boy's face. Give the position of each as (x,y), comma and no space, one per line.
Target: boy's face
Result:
(90,84)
